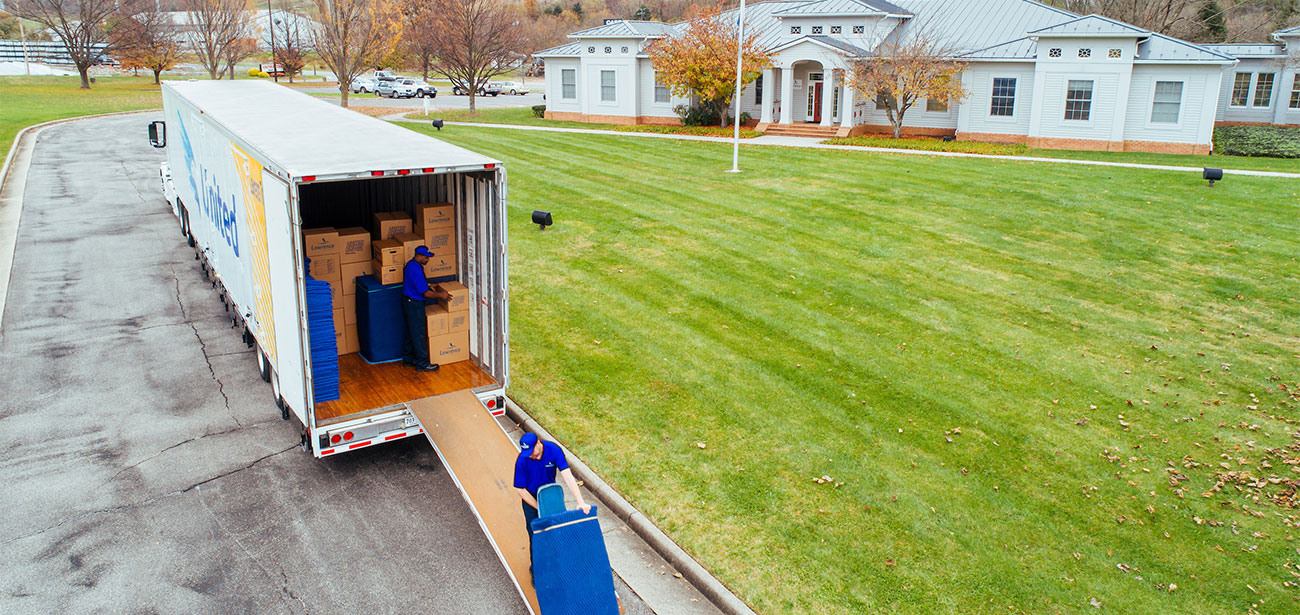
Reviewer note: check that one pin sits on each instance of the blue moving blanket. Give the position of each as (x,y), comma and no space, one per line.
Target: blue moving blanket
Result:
(571,567)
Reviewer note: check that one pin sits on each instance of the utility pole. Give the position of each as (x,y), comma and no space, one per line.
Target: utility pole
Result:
(22,35)
(270,22)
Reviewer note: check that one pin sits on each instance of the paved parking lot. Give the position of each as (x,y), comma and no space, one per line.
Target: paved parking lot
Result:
(147,469)
(444,100)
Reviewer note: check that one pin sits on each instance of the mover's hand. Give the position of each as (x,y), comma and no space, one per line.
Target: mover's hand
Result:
(586,509)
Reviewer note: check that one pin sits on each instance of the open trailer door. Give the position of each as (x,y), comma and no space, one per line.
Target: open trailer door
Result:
(288,321)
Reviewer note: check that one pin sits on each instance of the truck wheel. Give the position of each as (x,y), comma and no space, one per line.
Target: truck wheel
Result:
(279,401)
(263,364)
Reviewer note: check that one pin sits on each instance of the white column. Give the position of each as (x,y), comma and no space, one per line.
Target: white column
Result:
(769,95)
(787,94)
(828,97)
(846,105)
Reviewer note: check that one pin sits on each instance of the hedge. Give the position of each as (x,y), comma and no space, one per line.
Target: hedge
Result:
(934,145)
(1267,141)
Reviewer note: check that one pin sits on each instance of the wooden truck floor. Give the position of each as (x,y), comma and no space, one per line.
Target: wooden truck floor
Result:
(480,457)
(365,386)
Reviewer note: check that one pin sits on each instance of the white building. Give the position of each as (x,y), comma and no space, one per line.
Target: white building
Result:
(1035,74)
(1264,87)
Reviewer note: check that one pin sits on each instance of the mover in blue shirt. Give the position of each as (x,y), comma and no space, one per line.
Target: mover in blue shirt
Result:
(416,295)
(537,465)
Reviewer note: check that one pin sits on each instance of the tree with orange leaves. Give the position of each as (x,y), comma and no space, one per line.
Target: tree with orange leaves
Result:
(701,61)
(899,74)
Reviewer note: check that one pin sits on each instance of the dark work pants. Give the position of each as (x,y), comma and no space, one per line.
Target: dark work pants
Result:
(415,344)
(530,514)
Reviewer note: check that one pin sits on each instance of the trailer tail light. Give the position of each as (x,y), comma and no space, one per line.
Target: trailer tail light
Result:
(428,170)
(376,173)
(335,439)
(489,166)
(309,178)
(347,436)
(404,172)
(492,404)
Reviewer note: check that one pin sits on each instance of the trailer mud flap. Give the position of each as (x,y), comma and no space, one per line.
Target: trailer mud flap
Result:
(480,457)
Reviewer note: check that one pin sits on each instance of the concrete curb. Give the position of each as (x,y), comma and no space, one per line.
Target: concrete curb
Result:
(691,570)
(11,198)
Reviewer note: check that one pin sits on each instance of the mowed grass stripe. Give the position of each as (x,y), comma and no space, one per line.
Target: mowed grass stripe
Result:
(706,337)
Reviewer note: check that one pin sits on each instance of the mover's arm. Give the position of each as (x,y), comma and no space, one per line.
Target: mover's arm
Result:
(567,475)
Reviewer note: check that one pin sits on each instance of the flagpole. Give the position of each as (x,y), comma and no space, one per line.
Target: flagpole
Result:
(740,49)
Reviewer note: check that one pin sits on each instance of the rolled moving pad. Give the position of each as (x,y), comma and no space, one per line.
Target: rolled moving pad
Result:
(571,570)
(550,500)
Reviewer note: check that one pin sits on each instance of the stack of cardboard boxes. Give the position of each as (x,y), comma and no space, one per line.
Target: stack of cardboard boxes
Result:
(435,226)
(338,256)
(392,232)
(449,326)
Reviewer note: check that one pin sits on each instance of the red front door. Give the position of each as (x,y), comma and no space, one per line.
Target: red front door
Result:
(816,115)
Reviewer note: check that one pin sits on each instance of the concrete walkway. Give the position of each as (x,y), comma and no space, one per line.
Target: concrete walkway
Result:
(812,143)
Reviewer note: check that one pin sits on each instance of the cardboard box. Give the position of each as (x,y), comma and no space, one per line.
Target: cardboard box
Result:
(387,274)
(458,322)
(441,240)
(339,325)
(354,245)
(336,295)
(459,296)
(388,252)
(449,348)
(409,241)
(351,341)
(440,267)
(435,317)
(390,224)
(352,271)
(324,267)
(320,241)
(434,215)
(349,309)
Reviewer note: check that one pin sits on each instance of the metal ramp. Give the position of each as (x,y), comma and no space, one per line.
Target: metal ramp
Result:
(480,457)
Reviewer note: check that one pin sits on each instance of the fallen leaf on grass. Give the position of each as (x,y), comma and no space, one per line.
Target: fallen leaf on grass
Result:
(1095,603)
(890,562)
(699,444)
(1124,567)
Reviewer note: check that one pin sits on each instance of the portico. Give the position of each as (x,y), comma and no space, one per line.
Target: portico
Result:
(806,86)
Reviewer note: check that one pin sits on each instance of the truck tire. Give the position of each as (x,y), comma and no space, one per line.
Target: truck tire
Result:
(263,364)
(279,401)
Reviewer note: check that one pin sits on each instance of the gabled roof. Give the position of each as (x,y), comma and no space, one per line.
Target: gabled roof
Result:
(627,28)
(1091,25)
(1248,50)
(567,50)
(1019,49)
(842,8)
(1160,48)
(840,45)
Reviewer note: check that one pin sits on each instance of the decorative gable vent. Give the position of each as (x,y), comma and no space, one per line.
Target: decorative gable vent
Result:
(1085,53)
(859,29)
(796,29)
(1115,53)
(1054,52)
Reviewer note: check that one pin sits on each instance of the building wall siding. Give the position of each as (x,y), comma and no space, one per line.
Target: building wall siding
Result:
(975,109)
(1198,82)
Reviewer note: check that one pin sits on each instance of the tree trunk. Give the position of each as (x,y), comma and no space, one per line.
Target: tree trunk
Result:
(722,107)
(156,78)
(85,76)
(343,102)
(471,100)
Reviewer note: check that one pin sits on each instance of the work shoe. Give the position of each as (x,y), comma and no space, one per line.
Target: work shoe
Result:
(427,368)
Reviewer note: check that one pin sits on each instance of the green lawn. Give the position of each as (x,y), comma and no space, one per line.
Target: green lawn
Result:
(31,100)
(523,116)
(1023,380)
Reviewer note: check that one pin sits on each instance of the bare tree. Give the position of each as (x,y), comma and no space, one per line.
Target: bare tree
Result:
(475,40)
(290,48)
(1163,16)
(420,34)
(243,44)
(144,36)
(215,26)
(900,74)
(352,36)
(78,24)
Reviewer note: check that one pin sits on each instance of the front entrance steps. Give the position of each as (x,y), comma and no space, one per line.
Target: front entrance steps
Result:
(815,131)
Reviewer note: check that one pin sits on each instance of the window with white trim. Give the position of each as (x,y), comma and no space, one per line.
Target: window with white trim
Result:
(1263,89)
(1004,97)
(569,83)
(758,89)
(1240,90)
(1078,100)
(661,91)
(932,104)
(1295,93)
(608,87)
(1167,102)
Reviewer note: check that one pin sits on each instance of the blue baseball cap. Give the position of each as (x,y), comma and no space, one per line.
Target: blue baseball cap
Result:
(527,441)
(423,251)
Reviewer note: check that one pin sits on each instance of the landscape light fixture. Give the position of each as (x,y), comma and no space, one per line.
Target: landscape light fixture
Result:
(1212,174)
(542,219)
(438,124)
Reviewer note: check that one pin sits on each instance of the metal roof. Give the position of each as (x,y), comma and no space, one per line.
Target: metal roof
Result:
(1091,25)
(1248,50)
(627,28)
(313,137)
(842,8)
(1161,48)
(1019,49)
(567,50)
(967,25)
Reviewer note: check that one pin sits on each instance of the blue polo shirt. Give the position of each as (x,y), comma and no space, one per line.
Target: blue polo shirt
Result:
(413,277)
(531,474)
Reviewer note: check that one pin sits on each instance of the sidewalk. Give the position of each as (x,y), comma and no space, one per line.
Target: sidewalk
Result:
(812,143)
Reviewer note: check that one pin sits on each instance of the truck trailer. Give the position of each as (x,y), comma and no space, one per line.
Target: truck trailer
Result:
(250,165)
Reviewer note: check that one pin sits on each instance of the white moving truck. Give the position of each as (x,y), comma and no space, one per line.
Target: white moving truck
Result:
(250,164)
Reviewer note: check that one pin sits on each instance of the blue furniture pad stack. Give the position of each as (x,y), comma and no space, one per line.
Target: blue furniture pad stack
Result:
(324,344)
(571,570)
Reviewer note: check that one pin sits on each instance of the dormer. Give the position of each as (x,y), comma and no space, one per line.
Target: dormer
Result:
(1089,39)
(863,23)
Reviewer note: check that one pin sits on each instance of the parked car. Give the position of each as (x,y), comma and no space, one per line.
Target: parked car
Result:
(364,85)
(491,89)
(397,88)
(513,87)
(423,89)
(384,75)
